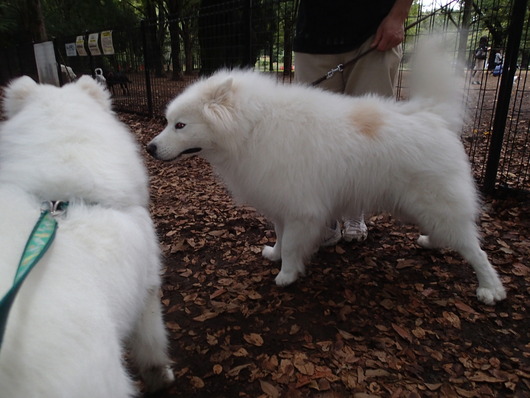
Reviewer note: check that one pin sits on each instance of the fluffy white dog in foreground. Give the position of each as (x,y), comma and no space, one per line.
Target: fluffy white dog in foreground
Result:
(97,286)
(303,157)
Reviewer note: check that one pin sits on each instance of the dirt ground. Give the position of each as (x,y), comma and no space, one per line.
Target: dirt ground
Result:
(381,318)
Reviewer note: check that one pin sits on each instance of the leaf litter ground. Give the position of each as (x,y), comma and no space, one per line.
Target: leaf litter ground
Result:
(381,318)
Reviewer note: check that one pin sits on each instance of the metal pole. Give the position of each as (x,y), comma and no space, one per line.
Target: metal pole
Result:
(90,58)
(58,62)
(148,88)
(505,91)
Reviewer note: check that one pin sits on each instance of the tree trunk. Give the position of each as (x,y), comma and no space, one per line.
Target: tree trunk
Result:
(188,47)
(288,45)
(174,17)
(36,21)
(155,36)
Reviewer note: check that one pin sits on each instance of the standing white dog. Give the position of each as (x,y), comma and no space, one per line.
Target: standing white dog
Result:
(98,284)
(303,157)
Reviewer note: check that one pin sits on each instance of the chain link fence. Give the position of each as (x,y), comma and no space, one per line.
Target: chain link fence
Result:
(154,62)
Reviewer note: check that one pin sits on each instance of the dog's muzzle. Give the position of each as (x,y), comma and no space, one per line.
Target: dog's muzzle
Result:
(152,149)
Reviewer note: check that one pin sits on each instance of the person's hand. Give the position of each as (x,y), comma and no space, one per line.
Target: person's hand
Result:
(389,34)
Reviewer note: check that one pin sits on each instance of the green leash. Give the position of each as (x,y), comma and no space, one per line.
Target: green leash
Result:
(38,243)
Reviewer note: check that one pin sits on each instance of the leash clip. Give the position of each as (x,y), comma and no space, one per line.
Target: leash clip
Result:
(331,72)
(56,207)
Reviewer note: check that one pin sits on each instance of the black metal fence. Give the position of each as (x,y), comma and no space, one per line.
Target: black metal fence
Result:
(17,61)
(154,62)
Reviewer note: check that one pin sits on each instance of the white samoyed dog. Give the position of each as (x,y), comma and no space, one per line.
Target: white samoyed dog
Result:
(97,287)
(304,157)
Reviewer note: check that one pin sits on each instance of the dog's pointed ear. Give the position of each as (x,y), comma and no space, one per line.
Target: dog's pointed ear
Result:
(219,104)
(16,94)
(222,93)
(95,90)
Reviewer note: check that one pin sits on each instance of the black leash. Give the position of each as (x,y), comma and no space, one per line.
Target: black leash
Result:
(340,67)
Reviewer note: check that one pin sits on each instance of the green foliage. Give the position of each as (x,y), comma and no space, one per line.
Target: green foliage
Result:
(14,23)
(73,17)
(64,18)
(7,17)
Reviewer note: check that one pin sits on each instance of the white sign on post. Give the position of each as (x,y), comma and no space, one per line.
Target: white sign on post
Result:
(106,42)
(80,46)
(46,63)
(93,44)
(70,49)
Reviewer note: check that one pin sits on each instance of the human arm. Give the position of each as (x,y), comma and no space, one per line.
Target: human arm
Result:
(391,31)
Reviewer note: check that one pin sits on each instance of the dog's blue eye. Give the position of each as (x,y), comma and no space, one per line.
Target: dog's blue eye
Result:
(179,125)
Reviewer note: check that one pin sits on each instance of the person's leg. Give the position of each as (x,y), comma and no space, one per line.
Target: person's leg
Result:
(375,73)
(311,67)
(308,69)
(480,65)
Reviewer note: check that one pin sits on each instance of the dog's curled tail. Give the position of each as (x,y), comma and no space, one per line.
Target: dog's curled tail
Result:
(437,81)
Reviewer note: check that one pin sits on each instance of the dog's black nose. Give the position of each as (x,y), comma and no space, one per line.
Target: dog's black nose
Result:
(151,150)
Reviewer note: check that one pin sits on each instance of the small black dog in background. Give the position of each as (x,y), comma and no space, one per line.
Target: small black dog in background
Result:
(118,78)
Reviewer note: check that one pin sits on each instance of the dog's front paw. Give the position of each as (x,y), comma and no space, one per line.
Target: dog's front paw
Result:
(490,295)
(158,378)
(271,253)
(424,242)
(286,278)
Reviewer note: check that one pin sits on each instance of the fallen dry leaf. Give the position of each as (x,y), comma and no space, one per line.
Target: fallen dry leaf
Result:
(254,339)
(380,317)
(402,332)
(269,389)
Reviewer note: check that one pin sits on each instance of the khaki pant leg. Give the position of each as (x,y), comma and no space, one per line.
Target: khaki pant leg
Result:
(375,72)
(310,67)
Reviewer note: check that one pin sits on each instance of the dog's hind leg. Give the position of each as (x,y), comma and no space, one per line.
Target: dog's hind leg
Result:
(462,238)
(299,240)
(149,346)
(275,253)
(490,288)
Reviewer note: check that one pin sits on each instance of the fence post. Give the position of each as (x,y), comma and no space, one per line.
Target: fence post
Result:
(148,88)
(58,62)
(90,57)
(463,55)
(247,33)
(505,91)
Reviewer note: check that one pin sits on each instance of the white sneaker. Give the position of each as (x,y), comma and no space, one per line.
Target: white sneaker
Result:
(355,229)
(331,236)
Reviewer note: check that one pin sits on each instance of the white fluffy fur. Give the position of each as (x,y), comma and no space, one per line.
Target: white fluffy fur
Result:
(98,285)
(304,157)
